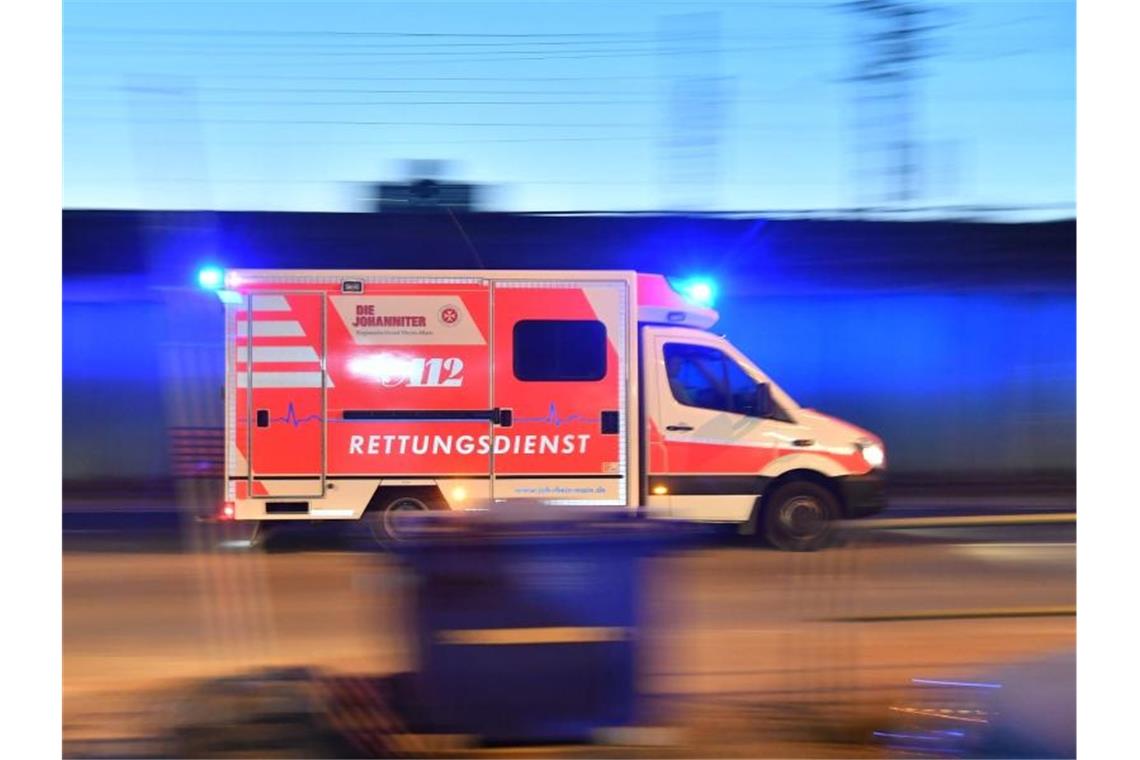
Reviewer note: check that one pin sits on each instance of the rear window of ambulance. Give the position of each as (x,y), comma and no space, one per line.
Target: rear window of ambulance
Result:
(560,350)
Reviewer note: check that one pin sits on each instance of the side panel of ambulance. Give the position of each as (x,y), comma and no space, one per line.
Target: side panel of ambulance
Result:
(371,393)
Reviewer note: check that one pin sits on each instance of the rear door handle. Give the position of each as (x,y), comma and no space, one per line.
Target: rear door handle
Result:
(679,428)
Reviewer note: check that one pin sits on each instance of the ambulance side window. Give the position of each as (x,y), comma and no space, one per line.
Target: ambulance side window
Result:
(705,377)
(742,388)
(698,376)
(559,350)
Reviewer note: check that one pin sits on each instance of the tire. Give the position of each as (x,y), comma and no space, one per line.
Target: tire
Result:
(800,516)
(381,521)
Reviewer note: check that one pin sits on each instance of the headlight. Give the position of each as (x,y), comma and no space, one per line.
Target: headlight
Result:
(873,453)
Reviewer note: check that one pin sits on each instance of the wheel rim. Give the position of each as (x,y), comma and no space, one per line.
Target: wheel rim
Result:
(803,517)
(388,519)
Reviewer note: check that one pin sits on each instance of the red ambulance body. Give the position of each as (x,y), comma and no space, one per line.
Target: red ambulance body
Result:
(357,394)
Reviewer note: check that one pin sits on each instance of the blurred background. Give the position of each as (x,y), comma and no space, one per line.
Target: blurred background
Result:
(882,190)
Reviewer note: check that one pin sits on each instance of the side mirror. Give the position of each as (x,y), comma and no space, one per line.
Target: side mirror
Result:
(763,400)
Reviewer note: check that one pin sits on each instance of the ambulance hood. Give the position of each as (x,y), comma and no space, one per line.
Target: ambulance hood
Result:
(832,430)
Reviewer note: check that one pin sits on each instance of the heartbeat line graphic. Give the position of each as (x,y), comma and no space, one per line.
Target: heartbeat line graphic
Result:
(291,418)
(552,418)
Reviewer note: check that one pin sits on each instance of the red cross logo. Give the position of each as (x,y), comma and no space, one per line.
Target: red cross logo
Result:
(449,315)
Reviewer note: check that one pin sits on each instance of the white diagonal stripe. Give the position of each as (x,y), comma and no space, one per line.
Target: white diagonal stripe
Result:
(278,354)
(270,303)
(282,380)
(265,328)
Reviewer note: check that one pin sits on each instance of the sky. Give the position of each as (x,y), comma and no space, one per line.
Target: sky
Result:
(630,106)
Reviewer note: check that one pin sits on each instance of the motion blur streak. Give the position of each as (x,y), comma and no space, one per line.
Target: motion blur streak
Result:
(731,631)
(879,197)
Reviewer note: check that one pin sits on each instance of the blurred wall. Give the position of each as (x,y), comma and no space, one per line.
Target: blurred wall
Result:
(955,342)
(114,421)
(955,382)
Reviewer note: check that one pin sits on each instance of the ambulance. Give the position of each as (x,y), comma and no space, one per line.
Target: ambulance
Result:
(356,395)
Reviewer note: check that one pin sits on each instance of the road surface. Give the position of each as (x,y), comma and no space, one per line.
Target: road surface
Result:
(730,626)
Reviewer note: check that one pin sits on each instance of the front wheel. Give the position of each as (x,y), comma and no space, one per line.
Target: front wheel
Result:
(800,516)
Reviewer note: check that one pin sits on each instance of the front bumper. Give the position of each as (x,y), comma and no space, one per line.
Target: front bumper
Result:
(863,494)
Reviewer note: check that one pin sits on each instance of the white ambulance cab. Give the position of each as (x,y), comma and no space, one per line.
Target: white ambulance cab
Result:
(359,394)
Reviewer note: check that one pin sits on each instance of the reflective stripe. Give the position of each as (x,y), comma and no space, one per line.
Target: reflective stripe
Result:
(282,380)
(781,443)
(963,521)
(270,303)
(551,635)
(263,328)
(279,354)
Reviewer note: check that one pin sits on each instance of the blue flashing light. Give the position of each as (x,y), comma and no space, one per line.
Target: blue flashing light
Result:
(210,278)
(700,291)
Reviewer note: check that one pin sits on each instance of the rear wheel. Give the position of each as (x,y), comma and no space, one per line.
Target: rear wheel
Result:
(800,516)
(384,521)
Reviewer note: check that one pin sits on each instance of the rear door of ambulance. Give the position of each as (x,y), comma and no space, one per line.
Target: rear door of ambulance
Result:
(277,389)
(561,379)
(405,391)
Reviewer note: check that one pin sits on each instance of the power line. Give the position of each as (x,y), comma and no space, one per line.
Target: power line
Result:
(293,47)
(449,50)
(842,210)
(160,90)
(796,129)
(200,36)
(266,143)
(351,181)
(649,100)
(209,32)
(426,47)
(799,87)
(379,123)
(412,58)
(393,78)
(397,103)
